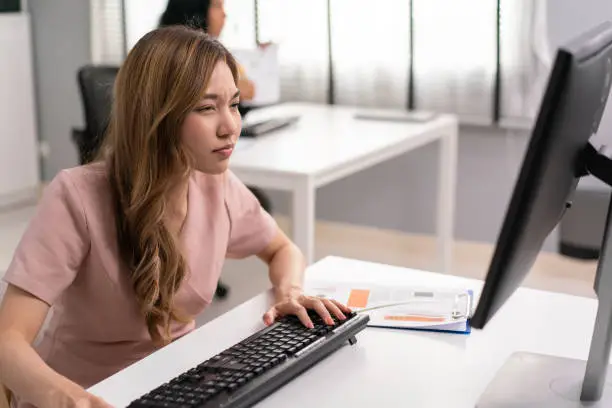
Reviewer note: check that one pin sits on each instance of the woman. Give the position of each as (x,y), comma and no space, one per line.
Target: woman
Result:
(207,15)
(128,249)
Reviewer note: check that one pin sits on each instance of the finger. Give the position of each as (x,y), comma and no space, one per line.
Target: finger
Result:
(270,316)
(100,403)
(344,308)
(321,310)
(83,403)
(335,310)
(301,312)
(97,402)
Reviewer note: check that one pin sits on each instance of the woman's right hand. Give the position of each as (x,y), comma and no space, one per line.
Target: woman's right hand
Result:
(76,397)
(92,401)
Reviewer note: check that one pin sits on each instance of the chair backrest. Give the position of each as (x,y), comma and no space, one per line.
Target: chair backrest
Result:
(96,86)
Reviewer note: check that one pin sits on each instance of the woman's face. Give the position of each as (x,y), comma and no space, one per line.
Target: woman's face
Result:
(216,17)
(211,130)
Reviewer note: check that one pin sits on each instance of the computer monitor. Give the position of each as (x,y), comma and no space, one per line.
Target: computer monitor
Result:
(558,154)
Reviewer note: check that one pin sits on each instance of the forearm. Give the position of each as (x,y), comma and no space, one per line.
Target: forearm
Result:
(26,375)
(287,272)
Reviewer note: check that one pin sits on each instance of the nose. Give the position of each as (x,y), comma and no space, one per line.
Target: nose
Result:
(229,125)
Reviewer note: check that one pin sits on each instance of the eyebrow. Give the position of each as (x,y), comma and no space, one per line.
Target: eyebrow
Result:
(215,96)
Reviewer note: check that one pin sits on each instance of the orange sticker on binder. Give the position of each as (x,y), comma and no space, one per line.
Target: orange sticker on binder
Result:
(358,298)
(413,318)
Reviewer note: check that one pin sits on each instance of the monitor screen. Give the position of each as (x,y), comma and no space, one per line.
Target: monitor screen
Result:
(570,113)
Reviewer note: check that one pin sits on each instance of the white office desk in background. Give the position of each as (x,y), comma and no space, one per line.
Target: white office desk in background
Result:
(328,144)
(386,367)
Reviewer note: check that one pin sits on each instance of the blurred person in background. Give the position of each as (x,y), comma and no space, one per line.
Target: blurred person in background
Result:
(207,15)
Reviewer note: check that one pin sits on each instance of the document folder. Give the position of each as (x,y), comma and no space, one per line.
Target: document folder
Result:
(442,310)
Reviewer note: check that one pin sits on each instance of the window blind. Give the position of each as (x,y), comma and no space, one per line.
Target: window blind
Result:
(486,61)
(108,34)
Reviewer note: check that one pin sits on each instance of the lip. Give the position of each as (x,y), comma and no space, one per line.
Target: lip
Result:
(225,151)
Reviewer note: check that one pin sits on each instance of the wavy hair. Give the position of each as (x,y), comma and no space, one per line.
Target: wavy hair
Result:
(163,78)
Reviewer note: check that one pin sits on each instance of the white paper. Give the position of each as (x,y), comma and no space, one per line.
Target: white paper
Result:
(405,307)
(261,66)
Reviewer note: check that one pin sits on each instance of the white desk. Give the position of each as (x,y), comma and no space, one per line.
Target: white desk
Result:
(328,144)
(386,368)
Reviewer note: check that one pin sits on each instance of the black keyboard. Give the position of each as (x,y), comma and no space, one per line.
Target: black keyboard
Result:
(267,126)
(250,370)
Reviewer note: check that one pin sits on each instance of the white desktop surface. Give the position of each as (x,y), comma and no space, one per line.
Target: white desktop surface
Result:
(328,136)
(328,143)
(386,368)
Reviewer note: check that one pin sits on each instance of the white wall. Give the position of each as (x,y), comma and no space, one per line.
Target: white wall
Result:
(19,162)
(60,31)
(142,17)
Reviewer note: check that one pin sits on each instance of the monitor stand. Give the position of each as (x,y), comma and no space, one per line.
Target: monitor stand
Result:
(529,380)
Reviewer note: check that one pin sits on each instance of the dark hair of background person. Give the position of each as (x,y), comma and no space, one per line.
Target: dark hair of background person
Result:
(193,13)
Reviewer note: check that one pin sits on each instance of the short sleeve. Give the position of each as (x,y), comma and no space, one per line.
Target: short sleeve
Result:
(54,244)
(251,227)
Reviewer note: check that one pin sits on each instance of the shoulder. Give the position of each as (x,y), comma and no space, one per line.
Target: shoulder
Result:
(79,176)
(235,190)
(58,236)
(252,228)
(83,180)
(82,189)
(230,180)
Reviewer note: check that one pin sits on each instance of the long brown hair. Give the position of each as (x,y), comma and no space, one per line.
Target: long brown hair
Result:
(163,78)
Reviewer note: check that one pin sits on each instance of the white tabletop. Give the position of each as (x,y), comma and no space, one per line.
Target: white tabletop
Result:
(327,136)
(386,368)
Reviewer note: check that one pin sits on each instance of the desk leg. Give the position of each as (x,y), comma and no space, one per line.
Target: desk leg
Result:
(447,181)
(303,218)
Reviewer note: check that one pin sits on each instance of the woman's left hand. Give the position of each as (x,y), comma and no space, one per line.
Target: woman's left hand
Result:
(299,306)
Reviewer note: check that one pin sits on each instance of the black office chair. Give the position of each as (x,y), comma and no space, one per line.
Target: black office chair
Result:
(96,88)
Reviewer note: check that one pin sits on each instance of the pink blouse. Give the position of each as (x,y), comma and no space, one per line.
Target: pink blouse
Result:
(68,257)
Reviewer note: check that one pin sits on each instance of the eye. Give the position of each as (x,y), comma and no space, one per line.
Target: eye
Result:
(235,105)
(206,108)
